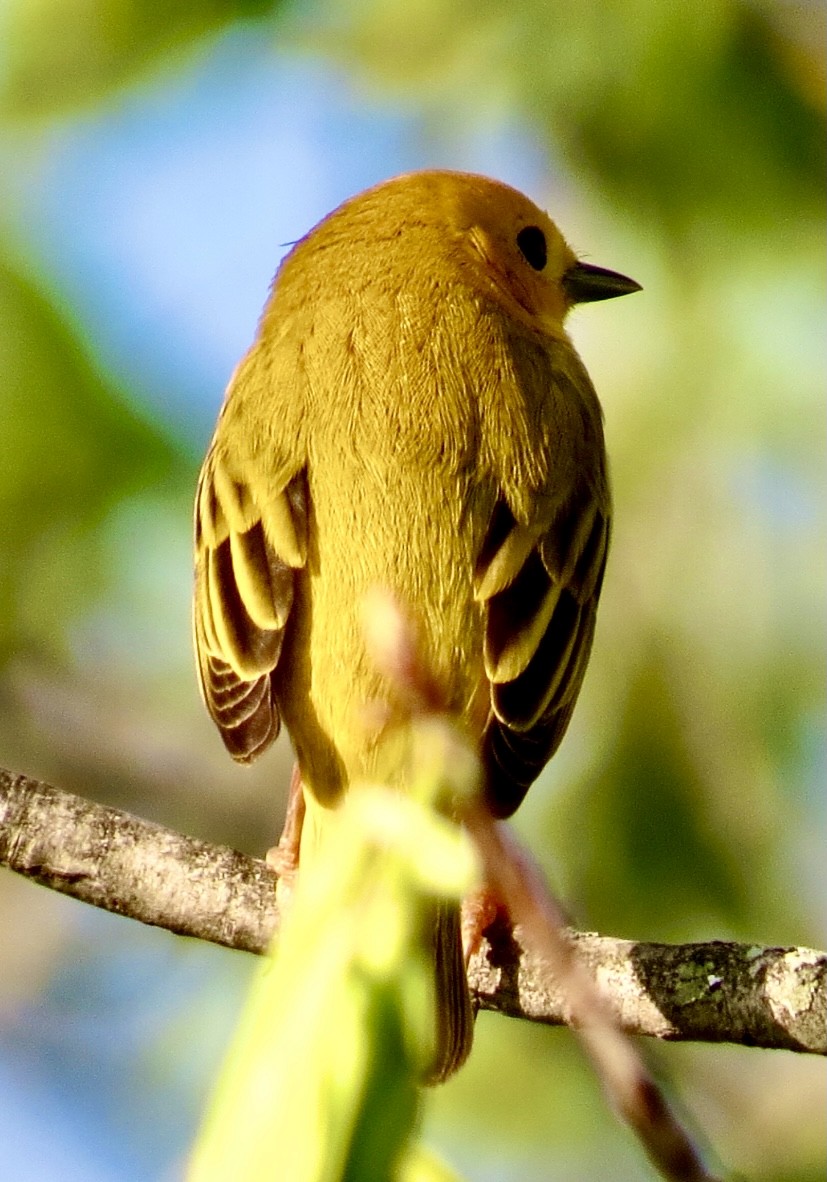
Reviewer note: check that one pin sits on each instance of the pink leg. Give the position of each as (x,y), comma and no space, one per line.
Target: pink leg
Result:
(284,857)
(479,910)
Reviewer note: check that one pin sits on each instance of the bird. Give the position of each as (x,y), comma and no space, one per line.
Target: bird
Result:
(412,415)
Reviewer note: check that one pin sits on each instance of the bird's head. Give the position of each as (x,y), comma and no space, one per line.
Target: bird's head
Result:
(521,253)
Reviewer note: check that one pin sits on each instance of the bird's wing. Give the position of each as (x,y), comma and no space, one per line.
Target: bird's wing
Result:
(244,583)
(539,590)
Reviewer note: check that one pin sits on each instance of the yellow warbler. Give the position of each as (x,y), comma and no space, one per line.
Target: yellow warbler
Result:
(413,416)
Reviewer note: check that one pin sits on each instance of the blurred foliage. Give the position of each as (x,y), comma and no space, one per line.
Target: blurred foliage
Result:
(700,121)
(72,448)
(686,147)
(66,53)
(323,1070)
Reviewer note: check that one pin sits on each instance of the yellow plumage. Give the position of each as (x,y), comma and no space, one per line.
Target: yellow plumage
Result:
(411,415)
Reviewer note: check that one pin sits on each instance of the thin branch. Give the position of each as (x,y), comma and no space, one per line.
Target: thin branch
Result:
(124,864)
(626,1080)
(714,992)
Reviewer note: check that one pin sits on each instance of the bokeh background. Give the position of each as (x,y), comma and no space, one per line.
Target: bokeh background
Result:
(154,161)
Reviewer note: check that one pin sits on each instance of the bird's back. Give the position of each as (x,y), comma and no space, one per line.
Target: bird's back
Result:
(398,500)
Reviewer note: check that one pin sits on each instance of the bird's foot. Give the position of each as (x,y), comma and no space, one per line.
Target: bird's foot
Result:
(480,909)
(284,857)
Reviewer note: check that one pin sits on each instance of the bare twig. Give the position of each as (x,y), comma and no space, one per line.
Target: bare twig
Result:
(627,1082)
(124,864)
(715,992)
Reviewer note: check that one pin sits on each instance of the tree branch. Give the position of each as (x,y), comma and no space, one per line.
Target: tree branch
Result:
(711,992)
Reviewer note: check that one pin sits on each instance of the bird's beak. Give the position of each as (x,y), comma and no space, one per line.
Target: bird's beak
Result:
(584,283)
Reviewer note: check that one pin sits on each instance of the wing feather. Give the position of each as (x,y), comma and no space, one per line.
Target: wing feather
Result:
(539,628)
(246,565)
(517,619)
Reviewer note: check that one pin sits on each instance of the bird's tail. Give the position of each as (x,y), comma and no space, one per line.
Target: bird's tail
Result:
(454,1015)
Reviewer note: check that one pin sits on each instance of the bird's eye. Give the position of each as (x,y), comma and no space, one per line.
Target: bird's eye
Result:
(532,243)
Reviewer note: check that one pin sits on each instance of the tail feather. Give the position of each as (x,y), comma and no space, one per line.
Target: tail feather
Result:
(454,1015)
